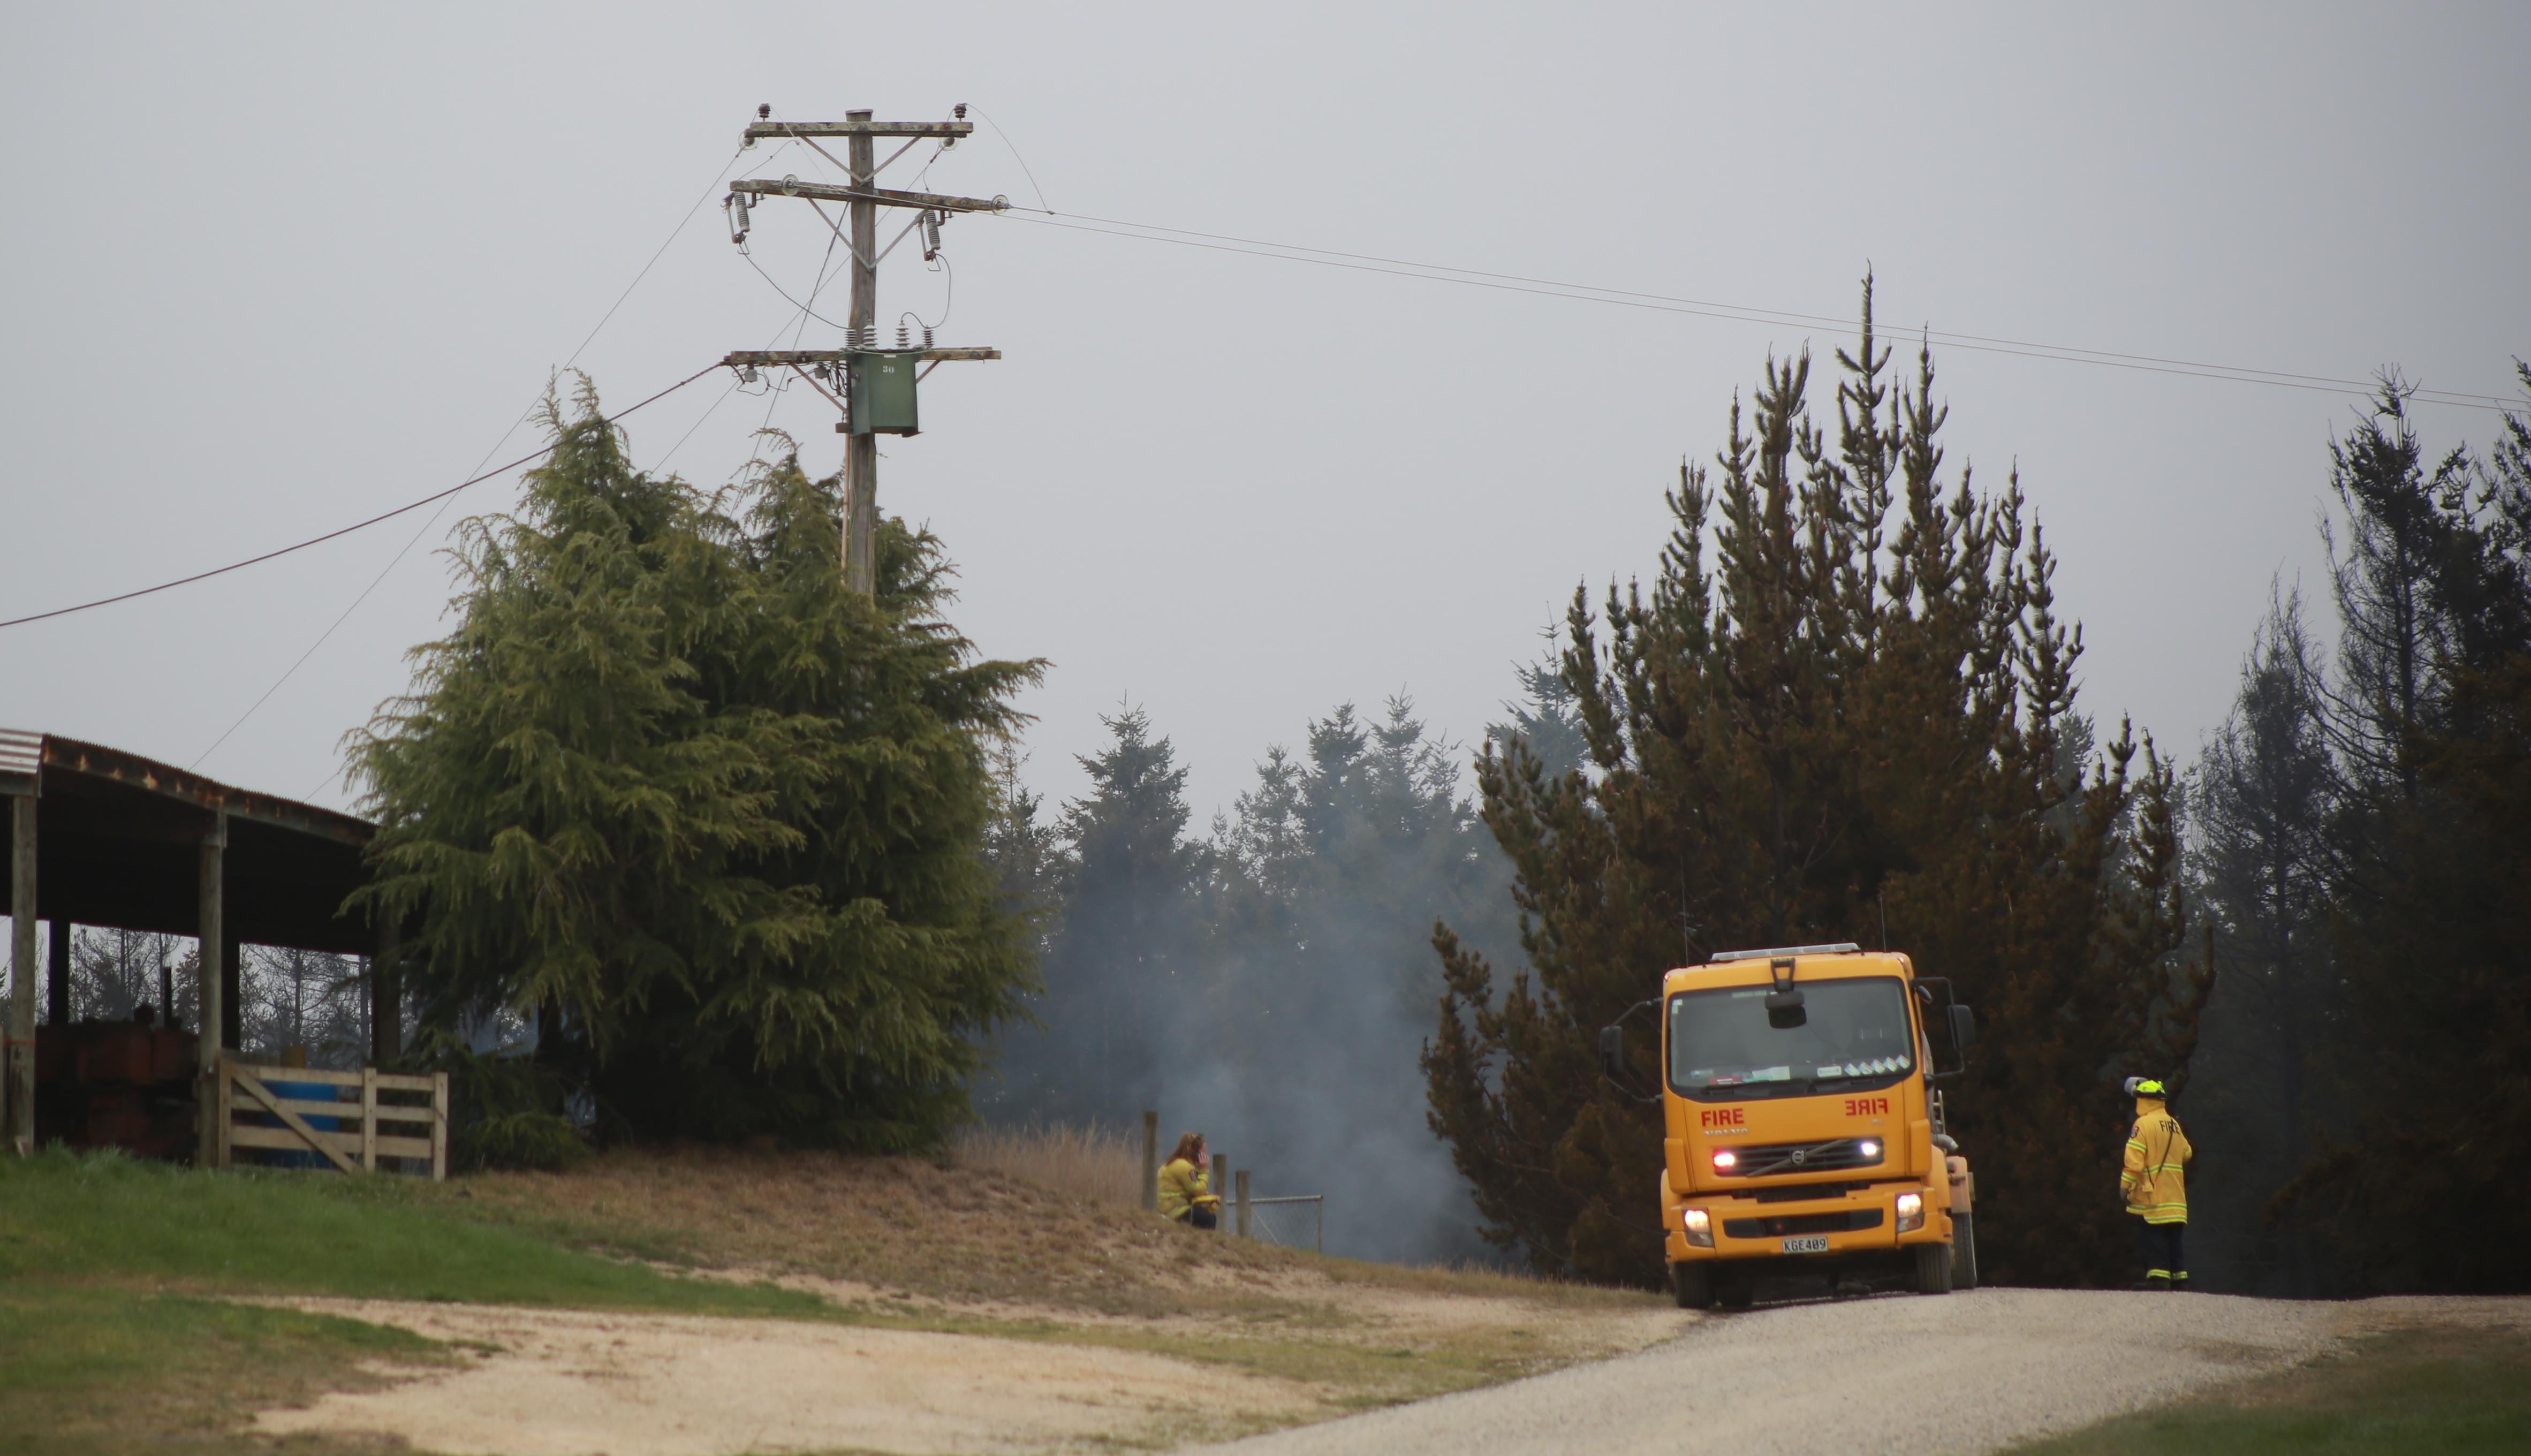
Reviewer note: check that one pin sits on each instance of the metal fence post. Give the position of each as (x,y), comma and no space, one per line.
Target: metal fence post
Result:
(1219,1184)
(1243,1203)
(1150,1161)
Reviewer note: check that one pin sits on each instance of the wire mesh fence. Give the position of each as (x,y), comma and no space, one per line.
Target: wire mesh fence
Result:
(1298,1222)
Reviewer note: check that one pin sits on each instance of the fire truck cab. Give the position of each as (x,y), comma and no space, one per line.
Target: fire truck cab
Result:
(1802,1131)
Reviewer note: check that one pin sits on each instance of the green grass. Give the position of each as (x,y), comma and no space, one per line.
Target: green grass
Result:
(2441,1391)
(120,1325)
(91,1368)
(120,1280)
(66,1216)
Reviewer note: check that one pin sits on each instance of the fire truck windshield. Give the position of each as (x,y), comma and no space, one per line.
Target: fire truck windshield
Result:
(1853,1033)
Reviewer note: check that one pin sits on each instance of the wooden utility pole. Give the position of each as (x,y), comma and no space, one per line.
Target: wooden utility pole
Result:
(861,449)
(863,198)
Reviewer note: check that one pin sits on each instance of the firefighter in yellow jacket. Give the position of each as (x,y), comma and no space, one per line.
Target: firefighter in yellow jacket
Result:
(1184,1194)
(2155,1184)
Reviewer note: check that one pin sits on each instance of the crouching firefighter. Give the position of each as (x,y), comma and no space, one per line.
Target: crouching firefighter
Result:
(2153,1183)
(1184,1192)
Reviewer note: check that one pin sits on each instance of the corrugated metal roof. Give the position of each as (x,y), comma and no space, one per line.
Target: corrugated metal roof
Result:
(20,752)
(120,837)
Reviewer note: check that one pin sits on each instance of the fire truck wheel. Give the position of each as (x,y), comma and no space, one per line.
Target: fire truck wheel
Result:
(1734,1289)
(1964,1271)
(1693,1283)
(1932,1268)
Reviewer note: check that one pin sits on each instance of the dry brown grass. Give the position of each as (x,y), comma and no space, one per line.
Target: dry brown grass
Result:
(1100,1164)
(938,1231)
(938,1246)
(903,1224)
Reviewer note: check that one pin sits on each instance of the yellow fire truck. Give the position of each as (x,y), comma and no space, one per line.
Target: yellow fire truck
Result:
(1803,1128)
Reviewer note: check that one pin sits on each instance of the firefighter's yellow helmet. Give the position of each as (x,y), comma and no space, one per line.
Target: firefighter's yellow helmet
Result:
(2145,1087)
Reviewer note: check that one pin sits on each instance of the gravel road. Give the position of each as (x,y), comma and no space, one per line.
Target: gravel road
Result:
(1892,1375)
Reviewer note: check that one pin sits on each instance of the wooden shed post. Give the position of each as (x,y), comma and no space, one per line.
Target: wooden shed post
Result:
(232,978)
(208,982)
(386,997)
(368,1119)
(20,1040)
(57,974)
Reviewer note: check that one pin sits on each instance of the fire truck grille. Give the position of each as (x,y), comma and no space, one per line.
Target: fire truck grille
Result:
(1802,1158)
(1844,1220)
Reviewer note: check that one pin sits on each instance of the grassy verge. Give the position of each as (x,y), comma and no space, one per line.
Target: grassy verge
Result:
(124,1270)
(2437,1392)
(67,1218)
(115,1332)
(94,1369)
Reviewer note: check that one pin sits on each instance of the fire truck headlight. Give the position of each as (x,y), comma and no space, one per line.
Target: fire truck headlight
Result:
(1700,1227)
(1870,1148)
(1911,1211)
(1726,1161)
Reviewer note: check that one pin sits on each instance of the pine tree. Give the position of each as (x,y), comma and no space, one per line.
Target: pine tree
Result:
(2432,898)
(711,818)
(2265,795)
(1324,887)
(1842,704)
(1123,955)
(1542,716)
(1026,850)
(2398,525)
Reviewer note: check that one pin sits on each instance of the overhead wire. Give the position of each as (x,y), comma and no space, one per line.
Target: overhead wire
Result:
(397,560)
(1025,169)
(797,325)
(343,530)
(708,412)
(1289,252)
(1734,313)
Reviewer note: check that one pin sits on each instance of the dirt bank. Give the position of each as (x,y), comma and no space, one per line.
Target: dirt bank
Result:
(548,1383)
(555,1382)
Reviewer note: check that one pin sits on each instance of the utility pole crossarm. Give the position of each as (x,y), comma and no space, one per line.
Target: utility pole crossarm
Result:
(773,130)
(876,382)
(776,357)
(883,196)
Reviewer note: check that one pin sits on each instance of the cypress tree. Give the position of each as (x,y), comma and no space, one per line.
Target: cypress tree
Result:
(1844,703)
(713,819)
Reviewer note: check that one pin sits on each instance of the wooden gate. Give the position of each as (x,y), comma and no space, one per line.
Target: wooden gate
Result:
(343,1132)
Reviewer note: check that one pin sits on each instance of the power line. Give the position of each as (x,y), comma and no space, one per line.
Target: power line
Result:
(318,540)
(1707,308)
(398,559)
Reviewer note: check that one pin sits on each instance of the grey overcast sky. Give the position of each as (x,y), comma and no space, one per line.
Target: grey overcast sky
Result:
(271,270)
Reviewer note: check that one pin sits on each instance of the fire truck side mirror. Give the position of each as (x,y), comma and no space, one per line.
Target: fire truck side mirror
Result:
(1963,1027)
(1612,1052)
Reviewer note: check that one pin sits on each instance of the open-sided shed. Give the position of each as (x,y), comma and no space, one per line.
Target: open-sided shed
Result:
(101,837)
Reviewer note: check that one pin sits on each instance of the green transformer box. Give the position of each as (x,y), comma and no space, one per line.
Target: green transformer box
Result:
(881,392)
